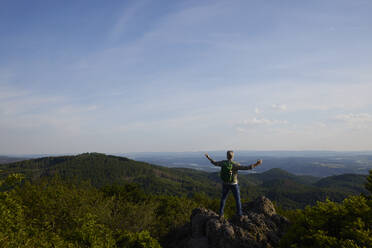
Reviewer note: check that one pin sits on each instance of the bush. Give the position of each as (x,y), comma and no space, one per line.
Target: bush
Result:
(330,224)
(137,240)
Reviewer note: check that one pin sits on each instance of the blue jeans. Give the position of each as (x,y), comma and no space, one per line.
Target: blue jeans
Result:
(225,191)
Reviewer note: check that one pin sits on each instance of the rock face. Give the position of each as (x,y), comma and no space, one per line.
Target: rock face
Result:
(259,227)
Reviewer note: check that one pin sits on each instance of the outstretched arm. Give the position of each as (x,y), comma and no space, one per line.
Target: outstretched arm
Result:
(249,167)
(210,159)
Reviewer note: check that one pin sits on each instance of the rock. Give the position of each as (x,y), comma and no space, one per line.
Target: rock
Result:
(259,227)
(198,219)
(198,242)
(261,205)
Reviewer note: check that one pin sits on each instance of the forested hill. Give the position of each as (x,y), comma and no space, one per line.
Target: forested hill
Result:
(101,170)
(286,189)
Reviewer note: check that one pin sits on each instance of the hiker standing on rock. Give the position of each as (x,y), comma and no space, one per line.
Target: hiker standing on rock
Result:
(229,176)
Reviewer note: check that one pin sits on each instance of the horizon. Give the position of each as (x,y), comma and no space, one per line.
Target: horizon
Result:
(172,76)
(313,163)
(215,152)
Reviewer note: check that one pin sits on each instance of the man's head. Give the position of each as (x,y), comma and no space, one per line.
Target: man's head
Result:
(230,155)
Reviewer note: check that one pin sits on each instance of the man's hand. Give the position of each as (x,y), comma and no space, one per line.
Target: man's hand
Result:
(209,158)
(258,163)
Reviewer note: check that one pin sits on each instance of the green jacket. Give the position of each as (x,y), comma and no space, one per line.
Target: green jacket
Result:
(236,167)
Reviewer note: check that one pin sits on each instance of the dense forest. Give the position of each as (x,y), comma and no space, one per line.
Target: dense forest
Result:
(94,200)
(287,190)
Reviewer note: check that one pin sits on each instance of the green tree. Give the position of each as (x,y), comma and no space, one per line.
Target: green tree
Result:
(329,224)
(172,212)
(137,240)
(368,184)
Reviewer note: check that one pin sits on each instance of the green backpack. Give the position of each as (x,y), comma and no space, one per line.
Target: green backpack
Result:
(226,172)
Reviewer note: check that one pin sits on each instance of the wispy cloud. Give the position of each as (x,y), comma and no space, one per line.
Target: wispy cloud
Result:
(280,107)
(14,102)
(66,109)
(126,19)
(261,121)
(246,126)
(320,96)
(28,110)
(187,73)
(356,121)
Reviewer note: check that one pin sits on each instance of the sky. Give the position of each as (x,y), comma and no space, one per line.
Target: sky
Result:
(162,76)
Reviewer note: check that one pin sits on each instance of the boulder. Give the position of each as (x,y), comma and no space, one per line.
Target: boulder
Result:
(259,227)
(261,205)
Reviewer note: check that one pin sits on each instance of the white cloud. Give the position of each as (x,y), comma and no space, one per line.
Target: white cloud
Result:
(14,104)
(355,121)
(281,107)
(254,124)
(319,124)
(8,92)
(124,20)
(152,72)
(31,112)
(240,129)
(256,121)
(361,117)
(326,96)
(67,109)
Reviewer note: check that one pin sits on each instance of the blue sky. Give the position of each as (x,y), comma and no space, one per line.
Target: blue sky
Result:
(130,76)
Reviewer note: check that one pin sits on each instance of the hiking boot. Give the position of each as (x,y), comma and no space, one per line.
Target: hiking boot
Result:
(241,218)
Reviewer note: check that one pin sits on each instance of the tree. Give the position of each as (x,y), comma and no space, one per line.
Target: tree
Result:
(329,224)
(369,182)
(137,240)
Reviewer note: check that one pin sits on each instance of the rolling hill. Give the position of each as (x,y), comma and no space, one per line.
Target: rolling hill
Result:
(286,189)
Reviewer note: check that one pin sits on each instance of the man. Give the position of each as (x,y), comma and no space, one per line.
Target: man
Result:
(229,176)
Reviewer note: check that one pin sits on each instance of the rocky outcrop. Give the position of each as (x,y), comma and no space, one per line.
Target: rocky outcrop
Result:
(259,227)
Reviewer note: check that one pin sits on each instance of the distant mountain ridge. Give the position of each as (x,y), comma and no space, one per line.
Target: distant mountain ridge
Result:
(313,163)
(287,189)
(9,159)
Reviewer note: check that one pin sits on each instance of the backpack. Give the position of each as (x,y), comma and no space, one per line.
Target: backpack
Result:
(226,172)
